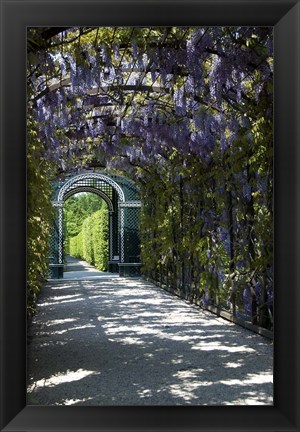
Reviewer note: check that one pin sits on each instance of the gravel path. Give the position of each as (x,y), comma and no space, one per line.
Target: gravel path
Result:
(124,341)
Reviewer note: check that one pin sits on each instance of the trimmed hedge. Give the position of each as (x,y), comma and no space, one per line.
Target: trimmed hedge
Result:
(91,244)
(39,215)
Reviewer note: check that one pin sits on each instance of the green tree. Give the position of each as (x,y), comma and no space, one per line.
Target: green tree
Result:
(91,243)
(76,209)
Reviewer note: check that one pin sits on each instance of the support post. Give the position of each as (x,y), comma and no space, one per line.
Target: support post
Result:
(57,268)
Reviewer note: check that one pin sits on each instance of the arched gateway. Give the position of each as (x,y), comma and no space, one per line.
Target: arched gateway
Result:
(120,194)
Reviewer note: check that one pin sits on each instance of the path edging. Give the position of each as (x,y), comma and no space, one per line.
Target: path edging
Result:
(216,311)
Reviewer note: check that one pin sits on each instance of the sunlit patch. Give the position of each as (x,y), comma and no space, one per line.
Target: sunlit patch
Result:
(252,398)
(74,401)
(94,297)
(67,377)
(184,391)
(148,355)
(63,301)
(65,297)
(60,321)
(259,378)
(145,393)
(51,343)
(132,284)
(132,340)
(212,346)
(73,328)
(232,365)
(61,287)
(189,373)
(190,381)
(177,361)
(116,328)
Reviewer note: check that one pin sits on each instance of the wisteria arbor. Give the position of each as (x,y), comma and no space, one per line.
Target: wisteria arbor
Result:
(187,114)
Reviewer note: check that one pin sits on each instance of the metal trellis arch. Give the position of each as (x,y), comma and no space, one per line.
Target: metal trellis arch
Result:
(120,194)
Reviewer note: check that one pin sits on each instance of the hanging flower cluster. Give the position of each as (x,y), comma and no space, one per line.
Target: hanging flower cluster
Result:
(192,77)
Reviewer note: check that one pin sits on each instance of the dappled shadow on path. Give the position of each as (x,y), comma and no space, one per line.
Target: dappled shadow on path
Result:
(126,342)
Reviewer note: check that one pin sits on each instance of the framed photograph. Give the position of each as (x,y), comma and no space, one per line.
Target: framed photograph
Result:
(16,17)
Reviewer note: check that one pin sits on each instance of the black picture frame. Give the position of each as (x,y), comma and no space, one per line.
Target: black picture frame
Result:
(16,15)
